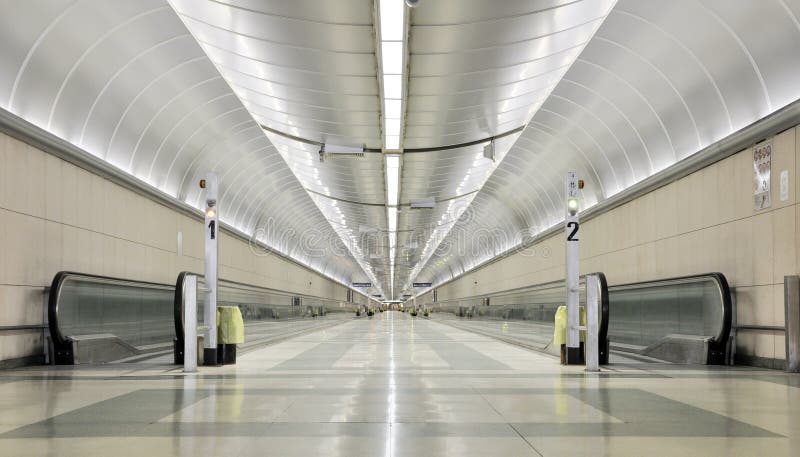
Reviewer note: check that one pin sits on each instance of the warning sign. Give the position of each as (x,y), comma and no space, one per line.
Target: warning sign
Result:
(762,168)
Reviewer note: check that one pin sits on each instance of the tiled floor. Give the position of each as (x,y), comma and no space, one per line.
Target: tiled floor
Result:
(396,386)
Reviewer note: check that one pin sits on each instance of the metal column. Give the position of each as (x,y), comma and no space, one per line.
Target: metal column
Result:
(211,236)
(592,324)
(571,226)
(791,303)
(190,324)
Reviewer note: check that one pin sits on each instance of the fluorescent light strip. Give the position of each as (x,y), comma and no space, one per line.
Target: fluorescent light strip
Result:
(393,40)
(392,86)
(392,16)
(392,181)
(392,108)
(392,46)
(392,198)
(392,142)
(391,214)
(392,127)
(392,55)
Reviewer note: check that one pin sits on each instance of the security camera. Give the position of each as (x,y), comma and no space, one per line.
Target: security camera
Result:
(413,3)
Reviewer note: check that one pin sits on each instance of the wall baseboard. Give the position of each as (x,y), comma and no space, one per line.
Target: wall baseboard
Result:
(22,362)
(760,362)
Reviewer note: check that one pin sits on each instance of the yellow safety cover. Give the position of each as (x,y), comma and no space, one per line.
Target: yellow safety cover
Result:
(230,325)
(560,332)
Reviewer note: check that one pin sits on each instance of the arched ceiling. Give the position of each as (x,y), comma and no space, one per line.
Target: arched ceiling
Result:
(658,82)
(616,91)
(127,82)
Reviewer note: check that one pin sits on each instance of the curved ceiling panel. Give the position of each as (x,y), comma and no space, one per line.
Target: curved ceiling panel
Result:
(657,83)
(127,82)
(311,62)
(477,76)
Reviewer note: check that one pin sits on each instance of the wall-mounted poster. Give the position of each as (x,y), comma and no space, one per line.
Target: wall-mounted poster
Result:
(762,167)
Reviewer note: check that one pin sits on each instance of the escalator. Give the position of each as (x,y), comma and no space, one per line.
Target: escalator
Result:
(680,320)
(100,319)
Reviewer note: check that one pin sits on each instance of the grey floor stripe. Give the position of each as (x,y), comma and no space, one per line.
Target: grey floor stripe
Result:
(124,415)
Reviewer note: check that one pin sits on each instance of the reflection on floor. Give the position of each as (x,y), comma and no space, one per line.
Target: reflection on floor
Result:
(396,386)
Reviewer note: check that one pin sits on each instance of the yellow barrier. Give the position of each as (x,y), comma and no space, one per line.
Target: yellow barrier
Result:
(230,326)
(560,331)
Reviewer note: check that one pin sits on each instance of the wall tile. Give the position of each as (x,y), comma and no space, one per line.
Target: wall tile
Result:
(726,189)
(21,305)
(726,255)
(84,206)
(69,194)
(709,198)
(745,343)
(764,344)
(780,345)
(763,245)
(743,232)
(783,158)
(53,250)
(4,141)
(783,238)
(24,253)
(793,179)
(53,188)
(20,344)
(4,218)
(778,311)
(743,184)
(96,203)
(645,210)
(23,179)
(666,216)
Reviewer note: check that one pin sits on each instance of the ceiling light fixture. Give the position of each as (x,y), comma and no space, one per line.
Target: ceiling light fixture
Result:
(392,15)
(392,198)
(393,40)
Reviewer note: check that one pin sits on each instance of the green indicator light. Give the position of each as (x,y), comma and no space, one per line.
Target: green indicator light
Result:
(572,206)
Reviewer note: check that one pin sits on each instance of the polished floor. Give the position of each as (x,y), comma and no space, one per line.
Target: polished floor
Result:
(392,385)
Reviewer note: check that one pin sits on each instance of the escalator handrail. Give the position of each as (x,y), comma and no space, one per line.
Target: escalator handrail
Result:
(62,277)
(720,340)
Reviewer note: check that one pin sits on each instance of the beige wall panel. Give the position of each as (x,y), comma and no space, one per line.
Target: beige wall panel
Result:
(55,216)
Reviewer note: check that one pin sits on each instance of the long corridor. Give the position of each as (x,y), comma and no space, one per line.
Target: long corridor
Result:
(392,385)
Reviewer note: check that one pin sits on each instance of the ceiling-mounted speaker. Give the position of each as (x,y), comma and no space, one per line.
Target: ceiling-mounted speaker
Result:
(423,203)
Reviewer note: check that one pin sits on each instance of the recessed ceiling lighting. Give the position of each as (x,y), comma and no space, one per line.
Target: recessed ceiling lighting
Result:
(392,86)
(392,19)
(392,57)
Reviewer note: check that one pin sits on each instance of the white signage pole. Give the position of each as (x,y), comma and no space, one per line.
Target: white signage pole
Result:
(592,324)
(190,324)
(211,237)
(571,226)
